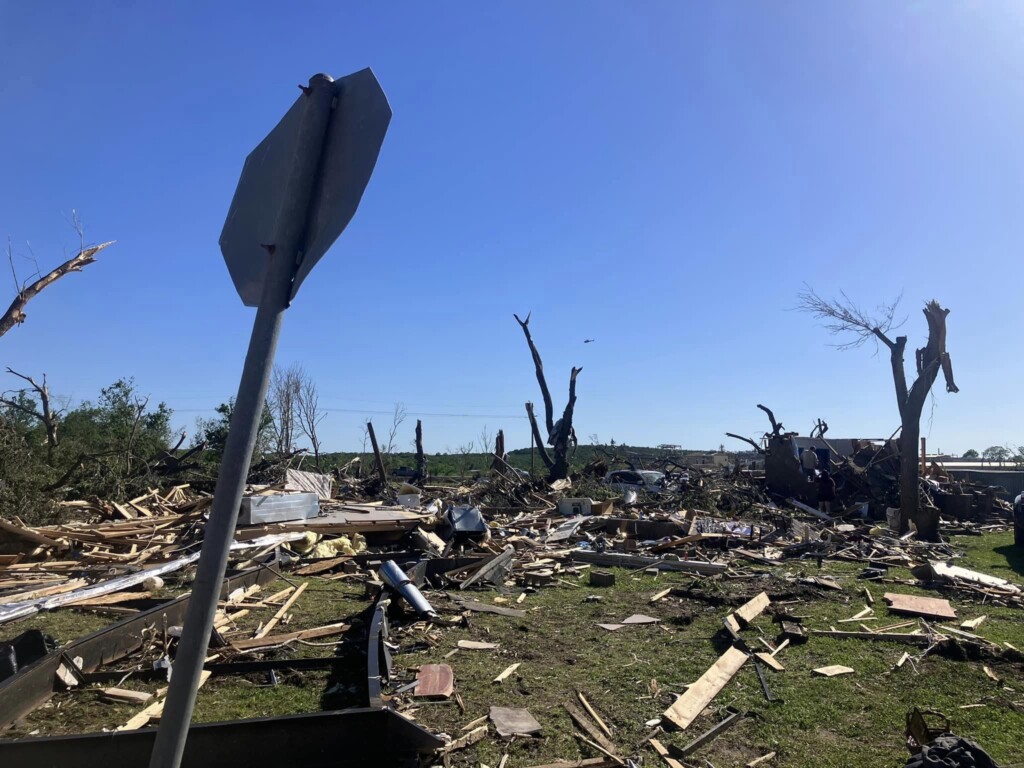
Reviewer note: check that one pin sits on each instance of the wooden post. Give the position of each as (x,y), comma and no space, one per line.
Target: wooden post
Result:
(924,461)
(377,457)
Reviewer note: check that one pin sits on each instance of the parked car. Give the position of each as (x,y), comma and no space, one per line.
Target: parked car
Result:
(635,480)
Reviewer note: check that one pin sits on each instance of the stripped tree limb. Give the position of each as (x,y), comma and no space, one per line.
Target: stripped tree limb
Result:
(15,314)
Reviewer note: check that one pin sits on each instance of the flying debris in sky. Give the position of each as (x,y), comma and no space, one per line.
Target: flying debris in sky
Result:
(587,341)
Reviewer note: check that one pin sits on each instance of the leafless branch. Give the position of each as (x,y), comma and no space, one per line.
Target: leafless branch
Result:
(844,318)
(15,314)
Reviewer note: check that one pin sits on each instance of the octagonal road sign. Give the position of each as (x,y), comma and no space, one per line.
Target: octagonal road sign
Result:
(352,143)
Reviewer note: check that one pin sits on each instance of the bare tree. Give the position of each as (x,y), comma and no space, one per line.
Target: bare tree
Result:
(486,439)
(464,451)
(28,289)
(307,404)
(397,418)
(45,413)
(561,434)
(283,402)
(843,317)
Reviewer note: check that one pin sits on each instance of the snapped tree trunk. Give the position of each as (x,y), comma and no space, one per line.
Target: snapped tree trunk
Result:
(561,436)
(930,360)
(421,458)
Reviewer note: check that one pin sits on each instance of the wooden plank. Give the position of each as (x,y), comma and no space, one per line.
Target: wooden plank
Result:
(657,597)
(913,605)
(686,708)
(247,644)
(125,696)
(591,730)
(281,611)
(972,623)
(475,645)
(156,709)
(593,713)
(662,750)
(895,637)
(508,671)
(771,661)
(753,608)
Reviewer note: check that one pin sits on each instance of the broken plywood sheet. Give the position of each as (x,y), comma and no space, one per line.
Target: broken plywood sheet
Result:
(611,627)
(512,721)
(435,680)
(701,693)
(833,670)
(913,605)
(308,482)
(639,618)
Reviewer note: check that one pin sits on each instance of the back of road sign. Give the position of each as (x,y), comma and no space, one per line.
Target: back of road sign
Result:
(353,141)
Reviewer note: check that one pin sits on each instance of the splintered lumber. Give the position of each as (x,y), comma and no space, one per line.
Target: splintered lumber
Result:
(912,605)
(662,750)
(508,671)
(470,738)
(593,713)
(943,571)
(759,760)
(590,762)
(589,728)
(156,709)
(972,623)
(263,631)
(28,534)
(112,599)
(686,708)
(752,608)
(125,696)
(832,670)
(491,566)
(657,597)
(248,644)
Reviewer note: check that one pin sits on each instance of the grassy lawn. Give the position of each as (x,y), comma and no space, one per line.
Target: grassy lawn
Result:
(632,675)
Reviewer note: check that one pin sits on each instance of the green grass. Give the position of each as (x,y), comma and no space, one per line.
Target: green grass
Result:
(855,720)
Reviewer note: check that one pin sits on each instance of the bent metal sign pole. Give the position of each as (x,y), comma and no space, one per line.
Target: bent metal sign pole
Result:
(298,190)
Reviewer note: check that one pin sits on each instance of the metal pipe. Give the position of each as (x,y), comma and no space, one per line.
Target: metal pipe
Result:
(285,253)
(397,579)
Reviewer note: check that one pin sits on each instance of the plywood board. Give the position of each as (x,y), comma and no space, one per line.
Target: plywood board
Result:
(833,670)
(435,680)
(511,721)
(686,708)
(913,605)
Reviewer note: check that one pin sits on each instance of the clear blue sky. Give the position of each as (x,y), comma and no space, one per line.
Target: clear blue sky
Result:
(659,176)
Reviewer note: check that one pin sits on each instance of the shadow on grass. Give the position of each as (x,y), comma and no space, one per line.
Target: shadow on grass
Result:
(1014,557)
